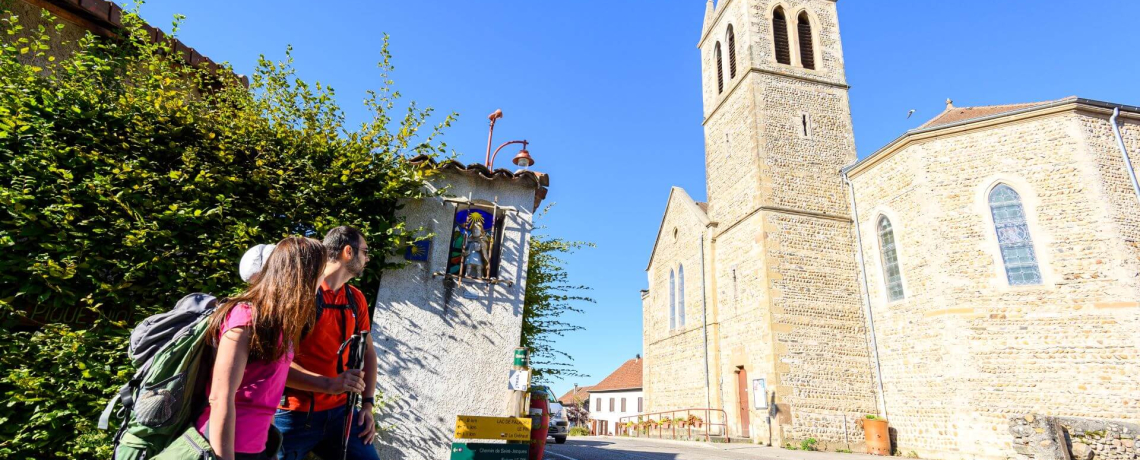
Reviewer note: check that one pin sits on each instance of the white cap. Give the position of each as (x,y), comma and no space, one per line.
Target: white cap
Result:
(253,259)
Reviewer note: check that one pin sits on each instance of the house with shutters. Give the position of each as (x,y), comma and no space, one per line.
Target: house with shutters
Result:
(618,395)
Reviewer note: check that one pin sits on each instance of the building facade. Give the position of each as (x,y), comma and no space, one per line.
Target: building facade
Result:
(445,343)
(990,257)
(618,395)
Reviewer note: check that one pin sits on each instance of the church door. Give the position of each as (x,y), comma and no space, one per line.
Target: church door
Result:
(742,401)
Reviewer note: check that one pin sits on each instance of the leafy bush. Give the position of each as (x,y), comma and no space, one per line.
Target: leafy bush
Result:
(808,444)
(579,431)
(128,180)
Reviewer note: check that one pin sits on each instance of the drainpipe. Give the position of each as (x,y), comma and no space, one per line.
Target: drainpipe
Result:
(1124,151)
(866,299)
(705,324)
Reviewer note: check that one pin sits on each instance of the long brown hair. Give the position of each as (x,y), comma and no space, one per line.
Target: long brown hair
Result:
(283,298)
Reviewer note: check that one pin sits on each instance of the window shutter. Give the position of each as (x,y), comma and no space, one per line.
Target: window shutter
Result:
(780,34)
(807,50)
(719,71)
(731,53)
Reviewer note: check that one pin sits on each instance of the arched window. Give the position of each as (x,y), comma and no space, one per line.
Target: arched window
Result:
(731,53)
(780,36)
(719,71)
(672,301)
(807,50)
(681,296)
(892,275)
(1013,237)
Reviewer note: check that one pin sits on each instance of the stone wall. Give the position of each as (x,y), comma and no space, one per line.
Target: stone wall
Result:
(964,351)
(445,349)
(674,374)
(1070,438)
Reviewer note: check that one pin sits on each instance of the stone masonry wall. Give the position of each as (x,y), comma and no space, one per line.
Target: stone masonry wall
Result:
(1039,437)
(825,381)
(964,352)
(674,375)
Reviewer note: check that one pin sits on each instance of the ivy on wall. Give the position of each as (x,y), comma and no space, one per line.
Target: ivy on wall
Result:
(128,179)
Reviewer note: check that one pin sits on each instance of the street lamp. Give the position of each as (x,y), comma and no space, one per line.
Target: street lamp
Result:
(522,160)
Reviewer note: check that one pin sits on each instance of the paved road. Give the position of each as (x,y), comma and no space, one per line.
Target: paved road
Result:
(609,448)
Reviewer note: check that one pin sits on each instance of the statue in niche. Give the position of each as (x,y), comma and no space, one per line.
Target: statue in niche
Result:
(476,257)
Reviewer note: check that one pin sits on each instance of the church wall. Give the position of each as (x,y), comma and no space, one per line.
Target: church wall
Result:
(743,322)
(674,360)
(822,355)
(799,171)
(964,351)
(730,159)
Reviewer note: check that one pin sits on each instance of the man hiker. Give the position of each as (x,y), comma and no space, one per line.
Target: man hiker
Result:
(313,410)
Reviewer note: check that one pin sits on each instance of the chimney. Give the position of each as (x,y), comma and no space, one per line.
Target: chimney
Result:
(638,357)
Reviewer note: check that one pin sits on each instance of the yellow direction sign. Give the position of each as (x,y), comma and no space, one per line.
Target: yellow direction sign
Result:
(508,428)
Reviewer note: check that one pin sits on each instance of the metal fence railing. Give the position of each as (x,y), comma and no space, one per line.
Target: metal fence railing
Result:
(674,422)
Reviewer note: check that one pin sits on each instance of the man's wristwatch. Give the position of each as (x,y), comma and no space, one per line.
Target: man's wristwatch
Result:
(369,400)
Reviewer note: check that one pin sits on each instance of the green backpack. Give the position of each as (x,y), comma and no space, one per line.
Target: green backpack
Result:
(173,361)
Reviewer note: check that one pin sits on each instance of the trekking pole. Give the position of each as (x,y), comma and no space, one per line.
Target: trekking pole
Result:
(355,361)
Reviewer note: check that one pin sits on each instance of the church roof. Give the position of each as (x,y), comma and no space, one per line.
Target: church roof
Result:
(956,114)
(626,377)
(954,119)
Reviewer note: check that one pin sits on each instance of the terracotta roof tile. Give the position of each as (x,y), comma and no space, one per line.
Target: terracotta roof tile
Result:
(541,181)
(580,394)
(956,114)
(626,377)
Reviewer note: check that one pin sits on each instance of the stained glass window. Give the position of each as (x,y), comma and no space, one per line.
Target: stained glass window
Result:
(1013,237)
(891,272)
(672,301)
(474,250)
(681,296)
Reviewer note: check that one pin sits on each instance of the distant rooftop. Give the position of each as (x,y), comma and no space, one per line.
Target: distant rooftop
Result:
(626,377)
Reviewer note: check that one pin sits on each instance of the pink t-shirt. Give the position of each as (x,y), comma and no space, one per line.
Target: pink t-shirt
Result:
(258,394)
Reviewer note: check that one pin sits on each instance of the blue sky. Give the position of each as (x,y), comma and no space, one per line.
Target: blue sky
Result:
(608,93)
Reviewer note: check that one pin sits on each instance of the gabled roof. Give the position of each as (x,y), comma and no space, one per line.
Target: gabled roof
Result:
(955,114)
(579,394)
(686,201)
(955,119)
(626,377)
(541,181)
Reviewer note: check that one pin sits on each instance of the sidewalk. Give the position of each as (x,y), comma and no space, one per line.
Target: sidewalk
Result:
(774,453)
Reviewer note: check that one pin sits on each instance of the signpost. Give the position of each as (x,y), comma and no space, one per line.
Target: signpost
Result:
(478,451)
(508,428)
(518,380)
(516,428)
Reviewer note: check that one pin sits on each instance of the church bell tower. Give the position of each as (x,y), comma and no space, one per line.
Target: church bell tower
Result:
(789,337)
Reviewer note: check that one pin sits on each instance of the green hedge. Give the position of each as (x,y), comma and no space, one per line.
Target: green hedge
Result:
(128,180)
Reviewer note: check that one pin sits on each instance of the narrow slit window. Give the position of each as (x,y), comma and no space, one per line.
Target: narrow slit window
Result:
(892,274)
(672,301)
(780,37)
(719,71)
(807,48)
(681,296)
(1013,236)
(731,53)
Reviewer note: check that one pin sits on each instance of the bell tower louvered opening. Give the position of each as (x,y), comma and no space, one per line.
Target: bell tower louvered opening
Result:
(780,34)
(807,50)
(731,53)
(719,71)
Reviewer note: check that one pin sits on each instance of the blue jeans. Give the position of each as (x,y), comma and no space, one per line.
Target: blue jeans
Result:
(320,433)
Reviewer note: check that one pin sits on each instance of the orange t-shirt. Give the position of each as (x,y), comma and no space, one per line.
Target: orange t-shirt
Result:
(317,352)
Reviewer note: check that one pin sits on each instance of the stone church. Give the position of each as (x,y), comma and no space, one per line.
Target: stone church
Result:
(982,267)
